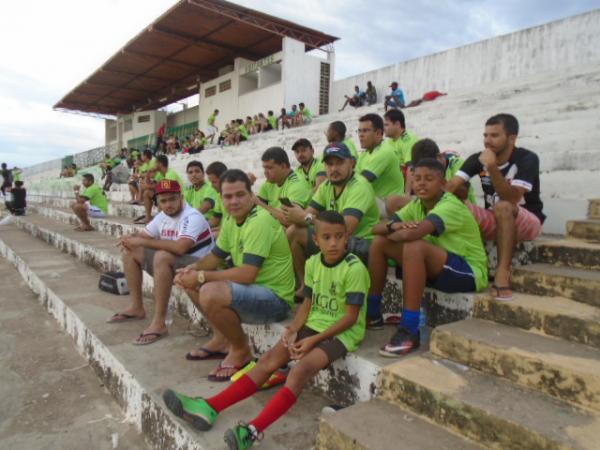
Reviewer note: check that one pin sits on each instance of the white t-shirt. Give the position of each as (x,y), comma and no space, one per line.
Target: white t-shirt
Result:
(189,223)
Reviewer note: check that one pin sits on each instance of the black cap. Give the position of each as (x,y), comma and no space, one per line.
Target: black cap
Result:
(337,149)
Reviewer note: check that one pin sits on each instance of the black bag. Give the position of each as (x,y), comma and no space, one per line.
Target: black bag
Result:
(114,282)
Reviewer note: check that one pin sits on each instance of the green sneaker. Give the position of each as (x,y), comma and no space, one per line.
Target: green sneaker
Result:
(193,409)
(241,437)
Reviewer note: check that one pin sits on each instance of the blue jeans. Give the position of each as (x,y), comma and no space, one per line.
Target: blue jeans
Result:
(257,304)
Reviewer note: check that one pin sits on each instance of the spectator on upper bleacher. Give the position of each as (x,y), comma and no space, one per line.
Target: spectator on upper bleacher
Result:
(311,168)
(92,202)
(510,179)
(370,94)
(258,287)
(163,172)
(213,173)
(7,178)
(262,123)
(378,163)
(396,97)
(256,124)
(344,191)
(142,180)
(336,132)
(18,201)
(398,137)
(436,242)
(273,122)
(175,238)
(283,186)
(427,97)
(198,144)
(200,194)
(160,134)
(304,116)
(354,100)
(212,129)
(292,116)
(284,119)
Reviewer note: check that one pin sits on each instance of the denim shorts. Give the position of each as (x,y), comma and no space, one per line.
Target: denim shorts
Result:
(257,304)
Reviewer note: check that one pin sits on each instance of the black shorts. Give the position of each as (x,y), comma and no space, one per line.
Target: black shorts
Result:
(243,138)
(333,347)
(359,246)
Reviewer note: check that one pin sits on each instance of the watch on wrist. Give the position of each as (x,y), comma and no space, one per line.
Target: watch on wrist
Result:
(201,277)
(309,218)
(389,226)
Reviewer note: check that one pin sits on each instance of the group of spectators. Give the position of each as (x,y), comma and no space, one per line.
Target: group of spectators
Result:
(13,192)
(319,239)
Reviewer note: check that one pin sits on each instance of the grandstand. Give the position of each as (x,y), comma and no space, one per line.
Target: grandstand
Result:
(523,374)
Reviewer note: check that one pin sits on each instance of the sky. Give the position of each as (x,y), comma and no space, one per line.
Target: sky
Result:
(48,48)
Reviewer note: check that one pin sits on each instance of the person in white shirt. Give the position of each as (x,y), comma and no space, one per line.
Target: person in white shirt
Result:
(175,238)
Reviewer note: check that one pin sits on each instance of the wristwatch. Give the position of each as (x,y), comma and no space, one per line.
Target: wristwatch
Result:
(308,219)
(201,277)
(389,226)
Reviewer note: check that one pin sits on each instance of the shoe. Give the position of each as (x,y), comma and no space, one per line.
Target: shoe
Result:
(375,323)
(241,437)
(402,343)
(194,410)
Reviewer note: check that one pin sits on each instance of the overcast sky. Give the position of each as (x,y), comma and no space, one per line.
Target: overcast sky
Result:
(48,47)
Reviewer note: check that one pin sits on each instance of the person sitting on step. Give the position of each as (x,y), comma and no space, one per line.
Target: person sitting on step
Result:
(163,172)
(329,324)
(175,238)
(436,242)
(200,194)
(92,202)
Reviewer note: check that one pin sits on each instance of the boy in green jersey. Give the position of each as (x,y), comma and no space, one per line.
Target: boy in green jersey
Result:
(92,202)
(212,129)
(436,242)
(143,179)
(311,168)
(200,195)
(213,173)
(283,185)
(336,132)
(304,116)
(161,172)
(272,120)
(399,138)
(329,323)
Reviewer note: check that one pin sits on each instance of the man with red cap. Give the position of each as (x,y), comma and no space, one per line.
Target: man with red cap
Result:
(178,236)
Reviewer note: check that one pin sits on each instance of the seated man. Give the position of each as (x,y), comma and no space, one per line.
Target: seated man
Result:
(311,168)
(395,99)
(345,192)
(436,242)
(200,195)
(354,100)
(283,119)
(213,173)
(329,324)
(162,173)
(291,115)
(18,203)
(371,94)
(378,163)
(7,178)
(143,179)
(510,178)
(283,185)
(274,125)
(175,238)
(92,202)
(258,289)
(336,132)
(304,116)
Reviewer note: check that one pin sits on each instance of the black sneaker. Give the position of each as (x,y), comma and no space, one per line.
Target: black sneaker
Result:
(402,343)
(375,323)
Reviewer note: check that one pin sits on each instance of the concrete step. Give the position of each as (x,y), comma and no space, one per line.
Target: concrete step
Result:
(377,424)
(555,316)
(354,378)
(563,369)
(594,209)
(567,252)
(543,279)
(137,376)
(588,230)
(115,208)
(487,409)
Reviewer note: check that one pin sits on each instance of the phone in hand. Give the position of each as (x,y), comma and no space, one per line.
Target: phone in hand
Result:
(286,202)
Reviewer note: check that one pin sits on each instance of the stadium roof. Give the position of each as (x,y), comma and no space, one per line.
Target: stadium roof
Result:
(188,44)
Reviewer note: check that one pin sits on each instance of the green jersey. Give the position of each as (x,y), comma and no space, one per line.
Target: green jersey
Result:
(219,209)
(330,289)
(197,197)
(306,113)
(316,169)
(295,188)
(96,197)
(273,121)
(357,199)
(17,175)
(211,120)
(244,131)
(453,163)
(403,146)
(147,166)
(382,168)
(456,231)
(260,241)
(169,175)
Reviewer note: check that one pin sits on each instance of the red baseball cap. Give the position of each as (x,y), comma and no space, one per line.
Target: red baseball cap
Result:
(167,187)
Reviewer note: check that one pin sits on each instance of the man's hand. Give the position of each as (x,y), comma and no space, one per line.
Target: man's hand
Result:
(132,241)
(405,225)
(187,278)
(301,348)
(294,214)
(289,337)
(487,158)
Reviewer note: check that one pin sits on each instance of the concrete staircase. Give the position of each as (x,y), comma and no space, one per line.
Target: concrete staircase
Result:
(517,375)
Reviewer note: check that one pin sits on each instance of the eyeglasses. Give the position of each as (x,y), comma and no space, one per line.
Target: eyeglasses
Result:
(363,130)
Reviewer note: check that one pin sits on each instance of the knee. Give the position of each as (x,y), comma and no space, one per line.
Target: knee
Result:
(504,209)
(267,363)
(300,373)
(414,249)
(378,243)
(210,296)
(163,259)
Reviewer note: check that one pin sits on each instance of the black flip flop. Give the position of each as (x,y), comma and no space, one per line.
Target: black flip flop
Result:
(209,355)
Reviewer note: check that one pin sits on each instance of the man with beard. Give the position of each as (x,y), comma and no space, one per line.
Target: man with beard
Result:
(311,168)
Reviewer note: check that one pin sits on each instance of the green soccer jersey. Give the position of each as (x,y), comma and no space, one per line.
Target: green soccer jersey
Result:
(352,147)
(17,175)
(211,120)
(306,113)
(244,131)
(403,146)
(260,241)
(273,121)
(169,175)
(317,169)
(453,163)
(96,197)
(382,168)
(331,288)
(196,198)
(219,209)
(357,199)
(147,166)
(456,231)
(295,188)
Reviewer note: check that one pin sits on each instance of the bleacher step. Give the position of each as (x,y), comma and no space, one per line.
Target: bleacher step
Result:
(379,425)
(588,229)
(488,409)
(556,316)
(69,291)
(594,209)
(566,370)
(567,252)
(547,280)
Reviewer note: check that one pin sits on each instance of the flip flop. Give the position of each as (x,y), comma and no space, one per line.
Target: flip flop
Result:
(499,296)
(209,355)
(219,379)
(156,337)
(126,318)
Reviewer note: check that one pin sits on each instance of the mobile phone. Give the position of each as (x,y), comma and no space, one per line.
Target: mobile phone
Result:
(285,201)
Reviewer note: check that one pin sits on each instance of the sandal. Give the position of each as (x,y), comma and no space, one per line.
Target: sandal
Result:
(499,296)
(140,340)
(122,317)
(210,354)
(217,378)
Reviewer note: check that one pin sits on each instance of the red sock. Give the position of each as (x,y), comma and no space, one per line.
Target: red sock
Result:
(236,392)
(277,407)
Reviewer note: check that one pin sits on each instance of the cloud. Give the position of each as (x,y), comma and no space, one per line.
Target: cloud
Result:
(50,47)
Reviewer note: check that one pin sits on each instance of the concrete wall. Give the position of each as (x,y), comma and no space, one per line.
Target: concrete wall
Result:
(182,117)
(563,43)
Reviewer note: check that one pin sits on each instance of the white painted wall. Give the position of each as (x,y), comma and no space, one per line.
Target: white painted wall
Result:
(182,117)
(301,74)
